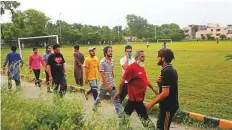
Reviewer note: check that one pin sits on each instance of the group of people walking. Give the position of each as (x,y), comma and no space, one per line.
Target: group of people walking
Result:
(134,81)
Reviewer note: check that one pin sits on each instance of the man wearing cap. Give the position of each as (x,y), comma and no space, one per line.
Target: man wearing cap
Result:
(91,72)
(78,63)
(126,61)
(107,84)
(168,88)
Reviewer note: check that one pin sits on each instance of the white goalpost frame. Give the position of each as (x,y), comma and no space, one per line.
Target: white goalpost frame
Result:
(22,38)
(163,40)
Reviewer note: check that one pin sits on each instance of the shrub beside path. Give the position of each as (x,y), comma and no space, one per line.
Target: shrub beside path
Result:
(106,107)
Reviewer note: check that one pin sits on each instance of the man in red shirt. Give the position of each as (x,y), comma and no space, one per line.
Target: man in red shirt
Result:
(137,84)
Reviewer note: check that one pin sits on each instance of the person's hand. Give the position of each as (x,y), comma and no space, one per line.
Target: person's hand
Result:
(127,55)
(30,69)
(86,81)
(156,92)
(158,79)
(50,79)
(148,106)
(117,95)
(109,88)
(3,70)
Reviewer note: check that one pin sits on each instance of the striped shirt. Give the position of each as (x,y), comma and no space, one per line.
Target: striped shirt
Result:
(108,68)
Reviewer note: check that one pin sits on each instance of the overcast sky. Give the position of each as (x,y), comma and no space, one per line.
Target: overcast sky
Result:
(113,12)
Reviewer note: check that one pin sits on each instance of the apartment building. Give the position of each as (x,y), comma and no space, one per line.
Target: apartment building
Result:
(215,30)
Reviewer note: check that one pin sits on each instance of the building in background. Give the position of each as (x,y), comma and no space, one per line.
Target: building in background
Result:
(214,30)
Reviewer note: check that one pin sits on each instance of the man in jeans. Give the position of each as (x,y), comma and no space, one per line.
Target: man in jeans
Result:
(91,72)
(168,85)
(45,56)
(126,61)
(56,70)
(137,85)
(107,84)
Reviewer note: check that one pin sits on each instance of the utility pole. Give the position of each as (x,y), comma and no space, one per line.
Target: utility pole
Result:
(60,26)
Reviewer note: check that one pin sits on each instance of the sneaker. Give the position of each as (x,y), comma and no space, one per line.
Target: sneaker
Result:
(94,108)
(71,89)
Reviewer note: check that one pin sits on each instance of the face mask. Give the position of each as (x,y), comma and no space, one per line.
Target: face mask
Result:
(129,54)
(141,64)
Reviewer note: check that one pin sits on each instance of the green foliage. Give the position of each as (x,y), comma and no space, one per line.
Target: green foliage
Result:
(209,36)
(223,36)
(203,37)
(137,25)
(50,113)
(10,6)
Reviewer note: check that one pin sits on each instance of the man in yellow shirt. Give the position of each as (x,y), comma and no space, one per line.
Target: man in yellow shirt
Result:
(91,72)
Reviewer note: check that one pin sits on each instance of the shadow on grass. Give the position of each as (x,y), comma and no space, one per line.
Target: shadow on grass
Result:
(228,57)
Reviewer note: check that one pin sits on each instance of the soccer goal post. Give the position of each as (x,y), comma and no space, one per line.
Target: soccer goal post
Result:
(164,40)
(25,38)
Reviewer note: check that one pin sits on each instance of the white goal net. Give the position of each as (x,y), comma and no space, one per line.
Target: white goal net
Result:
(164,40)
(21,45)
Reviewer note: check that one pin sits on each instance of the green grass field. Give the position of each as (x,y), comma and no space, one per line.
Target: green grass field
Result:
(204,68)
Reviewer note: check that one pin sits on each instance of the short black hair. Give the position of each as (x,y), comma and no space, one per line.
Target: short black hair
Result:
(128,47)
(76,47)
(48,46)
(106,49)
(56,46)
(167,54)
(13,48)
(35,48)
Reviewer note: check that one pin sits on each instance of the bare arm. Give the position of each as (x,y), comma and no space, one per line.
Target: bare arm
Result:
(162,96)
(153,89)
(126,64)
(30,60)
(49,70)
(64,70)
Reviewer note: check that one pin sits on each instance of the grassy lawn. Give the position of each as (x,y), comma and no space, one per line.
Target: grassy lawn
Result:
(204,73)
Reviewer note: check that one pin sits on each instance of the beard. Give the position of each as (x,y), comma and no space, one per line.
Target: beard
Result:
(160,63)
(141,63)
(110,56)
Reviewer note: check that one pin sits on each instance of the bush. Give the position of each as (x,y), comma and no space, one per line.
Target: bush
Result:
(50,113)
(53,112)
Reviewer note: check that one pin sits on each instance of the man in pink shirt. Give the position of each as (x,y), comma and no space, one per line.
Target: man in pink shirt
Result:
(34,63)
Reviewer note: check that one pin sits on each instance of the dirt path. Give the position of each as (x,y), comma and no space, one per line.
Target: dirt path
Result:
(106,107)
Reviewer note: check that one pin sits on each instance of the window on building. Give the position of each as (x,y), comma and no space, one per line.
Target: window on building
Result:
(186,31)
(218,30)
(211,30)
(218,34)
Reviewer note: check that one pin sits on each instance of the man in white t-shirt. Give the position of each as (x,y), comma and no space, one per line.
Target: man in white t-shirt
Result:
(147,44)
(125,62)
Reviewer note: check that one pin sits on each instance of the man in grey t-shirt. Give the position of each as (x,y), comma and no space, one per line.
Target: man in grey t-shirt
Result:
(107,84)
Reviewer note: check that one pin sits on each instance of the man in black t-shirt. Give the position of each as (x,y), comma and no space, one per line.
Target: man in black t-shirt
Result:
(56,70)
(168,89)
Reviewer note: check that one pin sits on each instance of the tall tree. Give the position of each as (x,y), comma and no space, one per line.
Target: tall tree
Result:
(10,6)
(106,34)
(195,28)
(137,25)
